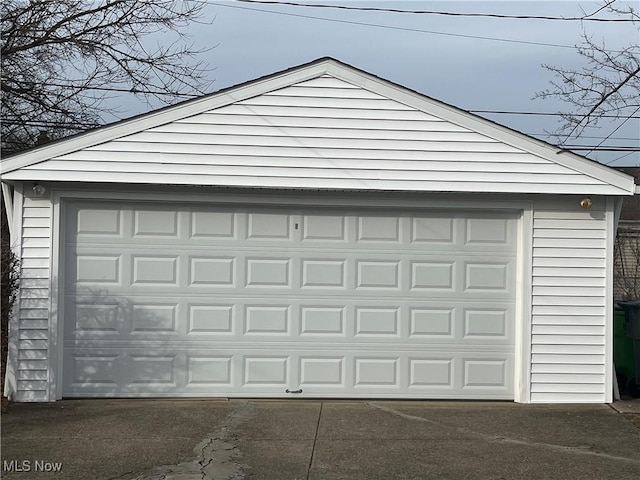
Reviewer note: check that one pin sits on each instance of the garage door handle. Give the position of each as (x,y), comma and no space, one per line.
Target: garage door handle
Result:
(293,391)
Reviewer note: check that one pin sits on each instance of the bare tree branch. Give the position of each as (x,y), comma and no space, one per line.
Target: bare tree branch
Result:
(61,61)
(610,82)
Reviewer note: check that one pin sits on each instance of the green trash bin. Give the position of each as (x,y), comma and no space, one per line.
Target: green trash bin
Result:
(623,349)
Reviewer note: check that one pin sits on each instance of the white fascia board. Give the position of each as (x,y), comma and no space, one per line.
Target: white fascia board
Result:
(465,119)
(275,182)
(160,117)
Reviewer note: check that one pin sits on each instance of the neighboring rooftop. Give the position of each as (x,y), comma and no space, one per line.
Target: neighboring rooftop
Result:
(631,205)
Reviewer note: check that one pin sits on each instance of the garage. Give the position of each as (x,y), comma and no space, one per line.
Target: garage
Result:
(222,301)
(316,233)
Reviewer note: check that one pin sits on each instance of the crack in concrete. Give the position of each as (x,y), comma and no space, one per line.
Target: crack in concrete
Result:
(216,455)
(499,439)
(315,441)
(122,475)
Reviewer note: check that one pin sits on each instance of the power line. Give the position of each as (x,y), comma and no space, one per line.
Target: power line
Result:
(540,134)
(614,131)
(515,112)
(392,27)
(588,18)
(194,95)
(40,122)
(619,158)
(57,125)
(600,149)
(115,89)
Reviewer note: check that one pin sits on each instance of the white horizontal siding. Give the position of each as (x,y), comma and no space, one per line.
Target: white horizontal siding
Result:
(568,302)
(23,395)
(33,316)
(568,331)
(100,161)
(391,175)
(546,368)
(573,397)
(317,134)
(320,142)
(431,132)
(232,120)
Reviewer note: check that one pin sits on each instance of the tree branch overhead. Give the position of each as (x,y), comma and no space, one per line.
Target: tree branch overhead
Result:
(59,60)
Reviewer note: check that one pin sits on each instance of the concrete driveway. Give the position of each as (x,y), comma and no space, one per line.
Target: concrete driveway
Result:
(323,440)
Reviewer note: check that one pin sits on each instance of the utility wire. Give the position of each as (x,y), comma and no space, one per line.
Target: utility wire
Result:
(619,158)
(541,134)
(600,149)
(115,89)
(392,27)
(614,131)
(588,18)
(57,125)
(515,112)
(193,95)
(44,122)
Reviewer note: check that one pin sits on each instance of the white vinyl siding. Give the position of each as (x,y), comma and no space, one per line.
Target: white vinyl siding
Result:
(568,321)
(34,304)
(320,133)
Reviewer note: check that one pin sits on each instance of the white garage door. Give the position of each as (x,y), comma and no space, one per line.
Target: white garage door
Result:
(217,301)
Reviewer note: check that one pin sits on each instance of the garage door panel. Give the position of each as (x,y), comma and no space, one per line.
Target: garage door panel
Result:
(488,231)
(103,269)
(212,271)
(224,301)
(213,319)
(155,223)
(324,228)
(485,374)
(317,371)
(99,315)
(148,226)
(97,222)
(269,272)
(433,231)
(89,318)
(235,271)
(210,370)
(322,373)
(269,227)
(326,273)
(155,270)
(319,320)
(93,370)
(213,226)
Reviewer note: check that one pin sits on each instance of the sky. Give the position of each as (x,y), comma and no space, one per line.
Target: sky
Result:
(474,63)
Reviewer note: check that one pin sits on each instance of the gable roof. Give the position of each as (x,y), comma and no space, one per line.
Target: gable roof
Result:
(324,124)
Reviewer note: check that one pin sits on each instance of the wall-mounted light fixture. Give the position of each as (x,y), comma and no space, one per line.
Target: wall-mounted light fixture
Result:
(39,190)
(586,203)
